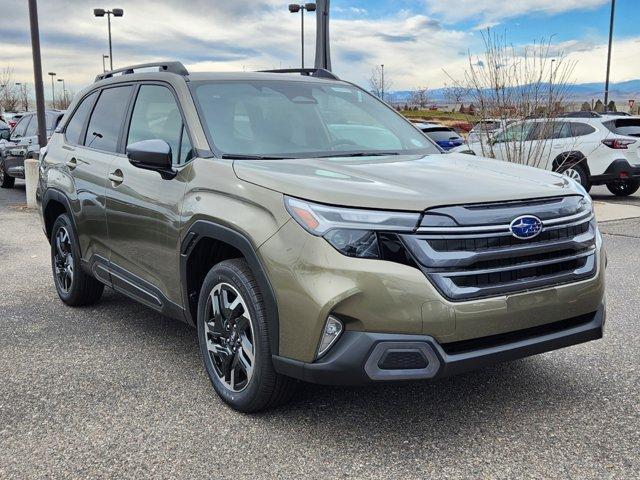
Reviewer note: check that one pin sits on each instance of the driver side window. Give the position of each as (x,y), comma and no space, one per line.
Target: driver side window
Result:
(156,116)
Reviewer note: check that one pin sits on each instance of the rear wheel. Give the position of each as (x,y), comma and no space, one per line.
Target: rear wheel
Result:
(74,286)
(234,340)
(623,188)
(5,180)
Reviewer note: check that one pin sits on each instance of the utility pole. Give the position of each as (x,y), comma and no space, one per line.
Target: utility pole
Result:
(37,72)
(606,85)
(323,47)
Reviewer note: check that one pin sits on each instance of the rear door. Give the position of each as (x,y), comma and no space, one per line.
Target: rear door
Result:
(91,141)
(143,209)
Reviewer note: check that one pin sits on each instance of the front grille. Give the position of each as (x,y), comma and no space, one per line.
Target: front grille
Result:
(482,259)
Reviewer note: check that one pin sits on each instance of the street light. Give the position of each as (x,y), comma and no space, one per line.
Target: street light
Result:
(295,8)
(53,90)
(606,84)
(64,92)
(116,12)
(104,57)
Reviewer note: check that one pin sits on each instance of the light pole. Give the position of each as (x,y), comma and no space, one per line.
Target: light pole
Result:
(104,67)
(53,90)
(382,83)
(37,72)
(295,8)
(64,92)
(606,84)
(116,12)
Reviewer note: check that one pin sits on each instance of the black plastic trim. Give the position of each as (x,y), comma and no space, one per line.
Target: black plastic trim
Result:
(206,229)
(347,362)
(613,172)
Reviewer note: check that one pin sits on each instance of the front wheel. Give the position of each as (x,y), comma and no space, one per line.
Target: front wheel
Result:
(623,188)
(5,180)
(234,340)
(578,173)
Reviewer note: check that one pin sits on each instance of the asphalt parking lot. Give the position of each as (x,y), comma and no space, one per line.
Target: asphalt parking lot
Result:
(117,391)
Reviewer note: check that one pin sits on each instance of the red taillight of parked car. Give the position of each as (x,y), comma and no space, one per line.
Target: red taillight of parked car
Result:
(12,123)
(617,144)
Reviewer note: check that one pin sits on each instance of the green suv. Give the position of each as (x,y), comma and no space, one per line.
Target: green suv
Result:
(309,232)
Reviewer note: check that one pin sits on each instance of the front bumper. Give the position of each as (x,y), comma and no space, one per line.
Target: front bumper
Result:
(361,358)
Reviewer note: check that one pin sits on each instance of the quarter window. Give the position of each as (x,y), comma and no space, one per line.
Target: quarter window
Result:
(581,129)
(74,126)
(107,117)
(156,116)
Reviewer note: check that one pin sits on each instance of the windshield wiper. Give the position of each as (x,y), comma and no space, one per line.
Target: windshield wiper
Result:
(359,154)
(239,156)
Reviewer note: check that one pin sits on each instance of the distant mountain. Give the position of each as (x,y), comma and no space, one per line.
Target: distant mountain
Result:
(621,91)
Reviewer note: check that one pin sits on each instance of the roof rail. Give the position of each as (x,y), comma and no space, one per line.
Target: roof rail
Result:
(309,72)
(171,67)
(581,114)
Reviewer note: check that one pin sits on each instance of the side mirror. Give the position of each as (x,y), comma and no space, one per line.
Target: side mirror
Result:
(152,155)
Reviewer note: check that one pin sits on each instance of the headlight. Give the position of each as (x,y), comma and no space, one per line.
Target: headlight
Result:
(353,232)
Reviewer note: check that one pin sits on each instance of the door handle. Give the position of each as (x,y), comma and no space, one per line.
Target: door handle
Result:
(73,163)
(116,177)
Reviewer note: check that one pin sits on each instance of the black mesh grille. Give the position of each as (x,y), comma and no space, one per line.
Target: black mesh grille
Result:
(403,360)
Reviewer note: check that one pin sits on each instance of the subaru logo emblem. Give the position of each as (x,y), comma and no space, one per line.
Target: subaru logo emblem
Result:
(526,227)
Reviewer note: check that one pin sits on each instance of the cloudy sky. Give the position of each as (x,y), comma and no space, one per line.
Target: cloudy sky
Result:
(415,39)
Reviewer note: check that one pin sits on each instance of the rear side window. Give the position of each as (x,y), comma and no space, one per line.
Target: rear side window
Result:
(106,119)
(21,127)
(156,116)
(74,126)
(581,129)
(627,126)
(32,129)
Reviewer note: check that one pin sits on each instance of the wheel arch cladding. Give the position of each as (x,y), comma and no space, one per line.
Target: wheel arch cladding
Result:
(204,245)
(54,204)
(571,158)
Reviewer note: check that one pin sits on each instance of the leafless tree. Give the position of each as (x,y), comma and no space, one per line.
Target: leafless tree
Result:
(379,82)
(64,99)
(23,93)
(420,97)
(456,93)
(511,84)
(9,99)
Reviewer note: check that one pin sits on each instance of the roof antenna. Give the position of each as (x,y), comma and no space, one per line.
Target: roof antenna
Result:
(323,48)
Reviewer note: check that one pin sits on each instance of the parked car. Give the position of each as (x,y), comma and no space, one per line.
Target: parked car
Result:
(446,138)
(484,129)
(22,144)
(5,131)
(593,150)
(309,231)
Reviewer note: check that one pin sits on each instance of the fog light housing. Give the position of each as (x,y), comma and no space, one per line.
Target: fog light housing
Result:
(330,334)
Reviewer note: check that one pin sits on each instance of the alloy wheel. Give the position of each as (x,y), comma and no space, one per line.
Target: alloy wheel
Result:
(573,174)
(229,336)
(63,260)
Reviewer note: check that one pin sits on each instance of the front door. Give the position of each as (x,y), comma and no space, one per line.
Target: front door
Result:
(143,209)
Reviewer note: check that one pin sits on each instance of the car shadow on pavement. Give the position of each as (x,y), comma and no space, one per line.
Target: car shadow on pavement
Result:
(474,403)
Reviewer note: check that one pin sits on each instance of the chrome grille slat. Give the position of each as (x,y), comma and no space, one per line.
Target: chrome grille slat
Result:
(478,259)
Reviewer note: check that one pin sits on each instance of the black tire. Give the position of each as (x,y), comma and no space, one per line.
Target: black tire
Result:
(82,289)
(582,175)
(5,180)
(623,188)
(265,388)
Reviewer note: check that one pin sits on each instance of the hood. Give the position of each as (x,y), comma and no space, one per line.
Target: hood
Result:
(409,183)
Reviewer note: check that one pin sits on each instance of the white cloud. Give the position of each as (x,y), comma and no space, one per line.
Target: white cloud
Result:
(491,12)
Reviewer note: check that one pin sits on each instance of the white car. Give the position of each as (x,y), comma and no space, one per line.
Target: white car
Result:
(487,127)
(594,150)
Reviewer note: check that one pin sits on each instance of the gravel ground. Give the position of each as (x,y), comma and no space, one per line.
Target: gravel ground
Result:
(117,391)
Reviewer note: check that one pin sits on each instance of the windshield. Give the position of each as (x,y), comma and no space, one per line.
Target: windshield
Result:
(289,119)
